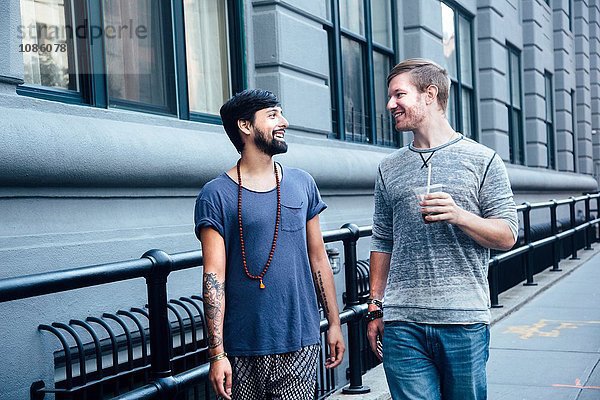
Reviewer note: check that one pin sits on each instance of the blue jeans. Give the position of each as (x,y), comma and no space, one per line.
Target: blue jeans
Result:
(435,362)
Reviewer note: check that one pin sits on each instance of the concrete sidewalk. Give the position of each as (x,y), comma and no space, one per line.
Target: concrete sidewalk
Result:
(545,340)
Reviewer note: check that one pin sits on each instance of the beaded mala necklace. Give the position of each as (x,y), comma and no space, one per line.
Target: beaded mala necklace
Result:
(277,220)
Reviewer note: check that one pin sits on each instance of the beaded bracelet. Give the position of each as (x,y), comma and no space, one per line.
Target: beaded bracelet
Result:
(217,357)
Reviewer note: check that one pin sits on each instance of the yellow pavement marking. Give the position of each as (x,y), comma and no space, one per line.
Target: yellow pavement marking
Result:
(546,328)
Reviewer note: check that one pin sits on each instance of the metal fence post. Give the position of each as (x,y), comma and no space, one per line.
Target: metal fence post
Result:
(556,243)
(528,259)
(588,217)
(574,235)
(160,335)
(354,339)
(493,282)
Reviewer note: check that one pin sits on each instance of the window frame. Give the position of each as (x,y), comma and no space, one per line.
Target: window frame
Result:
(91,61)
(368,47)
(512,110)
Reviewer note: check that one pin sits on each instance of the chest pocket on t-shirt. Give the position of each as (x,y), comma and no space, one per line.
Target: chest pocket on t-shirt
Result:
(292,218)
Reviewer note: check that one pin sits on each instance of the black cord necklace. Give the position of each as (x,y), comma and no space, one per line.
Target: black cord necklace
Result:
(426,160)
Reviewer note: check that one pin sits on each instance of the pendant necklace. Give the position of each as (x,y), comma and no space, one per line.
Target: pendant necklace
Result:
(260,276)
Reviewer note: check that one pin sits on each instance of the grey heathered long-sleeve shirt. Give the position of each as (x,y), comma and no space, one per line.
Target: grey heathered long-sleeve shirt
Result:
(438,274)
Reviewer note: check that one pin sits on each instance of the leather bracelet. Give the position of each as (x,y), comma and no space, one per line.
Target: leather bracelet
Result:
(373,315)
(217,357)
(377,302)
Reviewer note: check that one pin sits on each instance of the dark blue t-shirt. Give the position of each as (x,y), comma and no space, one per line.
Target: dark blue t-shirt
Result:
(284,316)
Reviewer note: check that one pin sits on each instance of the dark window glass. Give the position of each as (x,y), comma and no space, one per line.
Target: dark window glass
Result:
(549,120)
(354,94)
(452,106)
(136,61)
(381,15)
(515,79)
(467,117)
(515,135)
(352,16)
(384,127)
(466,58)
(515,124)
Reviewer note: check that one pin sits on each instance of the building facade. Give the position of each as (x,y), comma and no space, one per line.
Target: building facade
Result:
(109,120)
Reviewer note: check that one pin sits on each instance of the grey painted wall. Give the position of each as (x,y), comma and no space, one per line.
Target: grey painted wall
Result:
(584,99)
(11,62)
(537,58)
(564,85)
(594,39)
(498,23)
(291,58)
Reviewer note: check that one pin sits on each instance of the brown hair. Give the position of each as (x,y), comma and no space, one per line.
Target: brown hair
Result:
(424,73)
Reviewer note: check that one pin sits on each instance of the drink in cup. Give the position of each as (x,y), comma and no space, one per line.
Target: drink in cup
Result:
(421,191)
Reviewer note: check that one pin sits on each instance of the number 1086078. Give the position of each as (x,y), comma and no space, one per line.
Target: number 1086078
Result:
(43,48)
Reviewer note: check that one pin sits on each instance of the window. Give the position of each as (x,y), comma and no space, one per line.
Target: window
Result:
(548,95)
(514,106)
(361,34)
(457,33)
(143,55)
(137,72)
(207,61)
(49,51)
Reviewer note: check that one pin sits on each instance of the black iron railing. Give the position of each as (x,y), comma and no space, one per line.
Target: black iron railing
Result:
(525,249)
(156,266)
(162,381)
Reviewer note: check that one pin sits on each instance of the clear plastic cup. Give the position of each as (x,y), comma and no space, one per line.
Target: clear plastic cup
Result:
(421,191)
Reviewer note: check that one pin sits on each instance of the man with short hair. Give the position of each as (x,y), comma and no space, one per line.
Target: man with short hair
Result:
(430,253)
(264,257)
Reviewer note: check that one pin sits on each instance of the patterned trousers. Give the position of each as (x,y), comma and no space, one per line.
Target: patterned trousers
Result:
(288,376)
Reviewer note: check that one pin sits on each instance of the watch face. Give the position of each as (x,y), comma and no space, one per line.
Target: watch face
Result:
(377,302)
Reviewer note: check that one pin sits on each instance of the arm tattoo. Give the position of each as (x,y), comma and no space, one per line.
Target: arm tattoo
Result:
(321,291)
(214,293)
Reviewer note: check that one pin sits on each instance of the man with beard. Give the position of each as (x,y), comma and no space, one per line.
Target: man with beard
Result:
(264,257)
(429,298)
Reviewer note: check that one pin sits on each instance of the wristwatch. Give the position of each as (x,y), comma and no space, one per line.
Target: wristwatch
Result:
(377,302)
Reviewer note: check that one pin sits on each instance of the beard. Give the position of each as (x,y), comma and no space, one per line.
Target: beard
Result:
(412,118)
(269,147)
